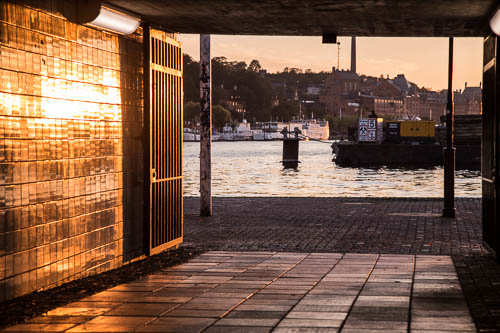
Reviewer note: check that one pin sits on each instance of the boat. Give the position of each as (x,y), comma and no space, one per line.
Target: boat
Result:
(272,130)
(258,135)
(316,129)
(188,135)
(409,144)
(242,132)
(227,133)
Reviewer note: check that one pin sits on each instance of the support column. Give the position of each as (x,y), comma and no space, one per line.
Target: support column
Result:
(205,127)
(449,151)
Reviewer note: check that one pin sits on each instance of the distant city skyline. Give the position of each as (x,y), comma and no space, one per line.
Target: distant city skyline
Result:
(424,61)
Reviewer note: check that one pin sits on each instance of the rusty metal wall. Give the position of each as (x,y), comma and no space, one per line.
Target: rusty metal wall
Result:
(71,173)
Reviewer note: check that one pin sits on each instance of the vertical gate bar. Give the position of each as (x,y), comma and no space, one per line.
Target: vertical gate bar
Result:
(181,124)
(160,150)
(449,151)
(146,58)
(172,124)
(496,152)
(167,143)
(205,127)
(178,139)
(181,111)
(171,143)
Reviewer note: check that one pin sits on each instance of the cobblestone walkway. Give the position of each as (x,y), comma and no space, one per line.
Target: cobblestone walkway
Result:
(279,292)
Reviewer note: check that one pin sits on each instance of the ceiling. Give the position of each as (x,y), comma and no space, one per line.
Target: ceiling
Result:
(412,18)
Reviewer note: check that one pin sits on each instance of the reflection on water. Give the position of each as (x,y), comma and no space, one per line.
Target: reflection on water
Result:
(254,169)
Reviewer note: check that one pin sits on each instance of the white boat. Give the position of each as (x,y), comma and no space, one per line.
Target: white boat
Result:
(272,130)
(258,135)
(316,129)
(188,135)
(227,133)
(242,132)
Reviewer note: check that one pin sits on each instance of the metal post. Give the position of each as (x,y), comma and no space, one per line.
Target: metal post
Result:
(449,151)
(205,127)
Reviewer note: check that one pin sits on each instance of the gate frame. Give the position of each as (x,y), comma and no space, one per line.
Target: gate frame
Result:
(148,154)
(490,147)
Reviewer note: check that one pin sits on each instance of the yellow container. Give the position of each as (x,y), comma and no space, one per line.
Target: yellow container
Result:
(422,128)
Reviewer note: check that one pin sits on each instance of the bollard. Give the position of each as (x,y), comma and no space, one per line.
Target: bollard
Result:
(290,149)
(290,153)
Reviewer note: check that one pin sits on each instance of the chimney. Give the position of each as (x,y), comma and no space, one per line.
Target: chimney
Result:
(353,54)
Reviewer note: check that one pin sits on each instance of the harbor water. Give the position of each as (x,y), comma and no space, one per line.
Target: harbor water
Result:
(253,168)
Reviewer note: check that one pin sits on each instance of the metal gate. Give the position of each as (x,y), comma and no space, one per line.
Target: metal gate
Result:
(490,147)
(163,99)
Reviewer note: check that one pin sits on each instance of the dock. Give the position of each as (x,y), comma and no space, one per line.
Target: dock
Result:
(404,155)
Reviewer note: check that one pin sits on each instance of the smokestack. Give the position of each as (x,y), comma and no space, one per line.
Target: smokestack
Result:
(353,54)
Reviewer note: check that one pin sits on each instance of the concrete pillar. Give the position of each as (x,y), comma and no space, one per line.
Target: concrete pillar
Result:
(449,151)
(205,127)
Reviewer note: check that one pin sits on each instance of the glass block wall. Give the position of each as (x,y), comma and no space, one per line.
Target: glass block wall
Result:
(70,149)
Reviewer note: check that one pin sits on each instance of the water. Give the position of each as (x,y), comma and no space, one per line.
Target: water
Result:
(254,169)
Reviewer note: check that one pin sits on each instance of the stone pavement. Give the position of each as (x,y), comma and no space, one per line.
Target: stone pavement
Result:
(357,225)
(351,264)
(280,292)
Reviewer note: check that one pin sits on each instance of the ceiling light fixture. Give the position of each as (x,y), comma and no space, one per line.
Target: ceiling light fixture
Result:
(115,21)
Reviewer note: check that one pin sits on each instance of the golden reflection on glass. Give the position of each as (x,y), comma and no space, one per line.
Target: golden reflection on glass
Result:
(61,113)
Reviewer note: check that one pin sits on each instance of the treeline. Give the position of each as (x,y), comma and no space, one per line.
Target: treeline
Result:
(264,96)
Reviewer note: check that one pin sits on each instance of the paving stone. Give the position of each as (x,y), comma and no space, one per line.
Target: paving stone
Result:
(254,322)
(392,301)
(379,313)
(316,315)
(144,309)
(77,311)
(322,308)
(327,300)
(262,307)
(59,319)
(310,323)
(450,326)
(385,325)
(367,330)
(177,324)
(256,314)
(195,313)
(38,328)
(306,330)
(237,329)
(386,289)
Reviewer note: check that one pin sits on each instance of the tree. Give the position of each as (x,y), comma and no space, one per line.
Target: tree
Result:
(254,66)
(220,116)
(191,78)
(285,111)
(192,112)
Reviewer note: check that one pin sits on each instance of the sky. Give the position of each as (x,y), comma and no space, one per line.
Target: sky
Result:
(424,61)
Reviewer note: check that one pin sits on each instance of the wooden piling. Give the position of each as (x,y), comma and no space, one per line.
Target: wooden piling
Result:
(205,127)
(449,151)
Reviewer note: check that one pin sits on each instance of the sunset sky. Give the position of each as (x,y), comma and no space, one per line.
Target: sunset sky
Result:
(424,61)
